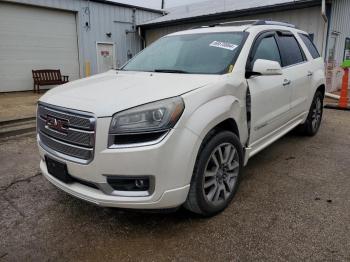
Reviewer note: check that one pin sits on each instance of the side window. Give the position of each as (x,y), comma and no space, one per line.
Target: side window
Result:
(290,50)
(310,46)
(267,49)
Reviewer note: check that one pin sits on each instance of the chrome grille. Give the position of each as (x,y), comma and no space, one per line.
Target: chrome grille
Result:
(75,141)
(74,136)
(81,122)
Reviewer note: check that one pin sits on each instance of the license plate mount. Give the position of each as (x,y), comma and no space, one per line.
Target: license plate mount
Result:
(58,170)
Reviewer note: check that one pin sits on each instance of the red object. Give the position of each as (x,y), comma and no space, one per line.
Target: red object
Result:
(343,101)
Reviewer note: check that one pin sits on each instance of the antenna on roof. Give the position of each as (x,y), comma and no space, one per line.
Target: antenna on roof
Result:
(163,4)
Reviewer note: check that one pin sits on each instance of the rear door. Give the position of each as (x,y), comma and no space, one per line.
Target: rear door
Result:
(315,64)
(270,99)
(296,71)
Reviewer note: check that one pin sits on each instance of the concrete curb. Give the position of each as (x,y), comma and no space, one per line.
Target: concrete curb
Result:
(16,127)
(18,120)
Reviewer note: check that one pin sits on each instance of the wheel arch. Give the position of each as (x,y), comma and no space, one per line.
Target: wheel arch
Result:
(223,113)
(228,124)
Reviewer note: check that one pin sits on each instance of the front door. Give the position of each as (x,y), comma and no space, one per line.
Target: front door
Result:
(105,57)
(270,96)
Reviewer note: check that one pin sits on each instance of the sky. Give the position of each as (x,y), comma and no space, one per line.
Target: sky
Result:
(157,3)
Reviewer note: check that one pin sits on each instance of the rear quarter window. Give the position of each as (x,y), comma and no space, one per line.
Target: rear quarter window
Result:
(310,45)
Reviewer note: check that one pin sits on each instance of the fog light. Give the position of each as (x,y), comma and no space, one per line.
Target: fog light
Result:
(142,184)
(129,183)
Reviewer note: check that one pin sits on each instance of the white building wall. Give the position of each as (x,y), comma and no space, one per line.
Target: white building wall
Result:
(101,18)
(308,19)
(30,40)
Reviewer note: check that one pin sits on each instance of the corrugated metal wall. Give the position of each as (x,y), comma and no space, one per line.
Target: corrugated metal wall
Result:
(308,19)
(340,22)
(103,18)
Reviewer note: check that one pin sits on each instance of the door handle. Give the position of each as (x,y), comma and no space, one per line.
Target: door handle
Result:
(310,73)
(286,82)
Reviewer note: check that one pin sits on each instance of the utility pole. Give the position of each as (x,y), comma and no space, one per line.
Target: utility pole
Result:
(162,4)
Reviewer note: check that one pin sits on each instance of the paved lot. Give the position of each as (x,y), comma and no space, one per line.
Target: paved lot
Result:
(293,204)
(17,105)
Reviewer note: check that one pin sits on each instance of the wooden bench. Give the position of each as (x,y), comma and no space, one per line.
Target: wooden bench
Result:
(47,77)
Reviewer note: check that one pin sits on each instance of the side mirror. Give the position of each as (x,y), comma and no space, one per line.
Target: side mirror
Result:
(266,67)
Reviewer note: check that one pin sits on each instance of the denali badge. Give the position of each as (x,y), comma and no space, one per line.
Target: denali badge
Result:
(60,125)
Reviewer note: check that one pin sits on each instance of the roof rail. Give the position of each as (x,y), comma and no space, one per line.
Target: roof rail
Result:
(270,22)
(239,22)
(247,22)
(231,23)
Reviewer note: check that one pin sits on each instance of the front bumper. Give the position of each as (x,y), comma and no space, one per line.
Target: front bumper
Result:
(169,162)
(170,198)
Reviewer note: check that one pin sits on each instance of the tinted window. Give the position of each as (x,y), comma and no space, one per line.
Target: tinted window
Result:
(310,46)
(208,53)
(267,49)
(312,37)
(290,50)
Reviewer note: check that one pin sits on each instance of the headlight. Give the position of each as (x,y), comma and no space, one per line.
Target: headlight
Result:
(156,116)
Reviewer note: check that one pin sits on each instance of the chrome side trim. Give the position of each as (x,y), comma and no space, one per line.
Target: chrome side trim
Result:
(290,66)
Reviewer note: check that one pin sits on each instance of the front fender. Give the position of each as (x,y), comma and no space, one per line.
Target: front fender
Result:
(215,111)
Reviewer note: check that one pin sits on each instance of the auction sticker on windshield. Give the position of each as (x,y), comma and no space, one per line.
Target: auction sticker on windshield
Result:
(224,45)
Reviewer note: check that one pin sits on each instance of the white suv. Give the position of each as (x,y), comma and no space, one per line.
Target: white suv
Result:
(178,122)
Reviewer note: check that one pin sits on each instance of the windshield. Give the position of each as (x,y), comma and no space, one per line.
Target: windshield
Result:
(209,53)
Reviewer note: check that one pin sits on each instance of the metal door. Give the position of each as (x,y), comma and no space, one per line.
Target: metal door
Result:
(105,57)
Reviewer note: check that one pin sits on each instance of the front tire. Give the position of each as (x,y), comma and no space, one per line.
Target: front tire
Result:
(216,174)
(314,118)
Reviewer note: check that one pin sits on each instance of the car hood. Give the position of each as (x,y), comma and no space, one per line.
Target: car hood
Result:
(114,91)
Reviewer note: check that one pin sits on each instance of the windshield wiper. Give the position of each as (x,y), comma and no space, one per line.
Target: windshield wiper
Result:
(174,71)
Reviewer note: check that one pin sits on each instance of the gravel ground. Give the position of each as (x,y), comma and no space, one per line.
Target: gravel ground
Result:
(293,204)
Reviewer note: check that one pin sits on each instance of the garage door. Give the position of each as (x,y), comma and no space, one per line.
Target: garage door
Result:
(35,38)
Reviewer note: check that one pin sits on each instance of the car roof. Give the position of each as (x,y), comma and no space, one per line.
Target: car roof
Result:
(253,26)
(211,30)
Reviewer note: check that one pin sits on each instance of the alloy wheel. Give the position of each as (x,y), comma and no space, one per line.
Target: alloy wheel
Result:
(221,174)
(316,114)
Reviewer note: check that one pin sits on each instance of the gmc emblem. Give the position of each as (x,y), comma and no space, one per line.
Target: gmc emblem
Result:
(60,125)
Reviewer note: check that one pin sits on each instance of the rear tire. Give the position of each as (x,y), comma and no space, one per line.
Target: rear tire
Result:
(216,174)
(314,118)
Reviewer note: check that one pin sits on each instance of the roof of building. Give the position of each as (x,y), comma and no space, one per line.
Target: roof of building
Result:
(224,9)
(115,2)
